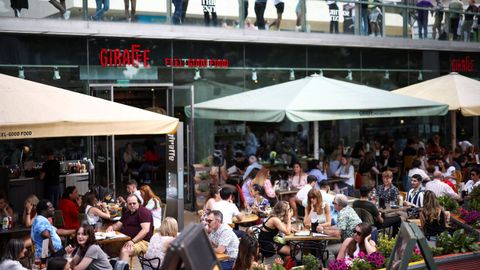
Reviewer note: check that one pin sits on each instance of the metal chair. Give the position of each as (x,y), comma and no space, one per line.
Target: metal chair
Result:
(148,264)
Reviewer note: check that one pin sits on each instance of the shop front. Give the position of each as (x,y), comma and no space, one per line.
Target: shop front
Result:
(164,76)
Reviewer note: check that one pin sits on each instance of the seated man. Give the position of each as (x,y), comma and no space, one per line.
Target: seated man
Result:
(439,188)
(473,182)
(301,198)
(136,222)
(227,207)
(380,222)
(222,238)
(42,229)
(132,190)
(346,221)
(415,194)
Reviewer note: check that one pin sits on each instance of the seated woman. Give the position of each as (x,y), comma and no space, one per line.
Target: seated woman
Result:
(161,240)
(360,242)
(247,253)
(5,208)
(432,216)
(347,171)
(263,179)
(213,197)
(14,251)
(153,203)
(30,210)
(247,187)
(91,209)
(317,212)
(279,220)
(260,204)
(89,255)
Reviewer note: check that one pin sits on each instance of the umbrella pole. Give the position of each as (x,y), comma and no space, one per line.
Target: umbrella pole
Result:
(453,119)
(316,145)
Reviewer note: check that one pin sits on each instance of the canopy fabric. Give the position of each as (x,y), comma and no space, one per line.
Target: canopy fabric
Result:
(34,110)
(314,98)
(459,92)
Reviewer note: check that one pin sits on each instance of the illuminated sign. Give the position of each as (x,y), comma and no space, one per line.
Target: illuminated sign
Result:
(134,56)
(196,63)
(465,64)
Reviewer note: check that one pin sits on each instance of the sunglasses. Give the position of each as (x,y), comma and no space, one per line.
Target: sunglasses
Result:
(473,174)
(359,233)
(209,220)
(334,203)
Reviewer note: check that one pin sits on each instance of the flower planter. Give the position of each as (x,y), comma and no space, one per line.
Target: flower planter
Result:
(458,221)
(467,260)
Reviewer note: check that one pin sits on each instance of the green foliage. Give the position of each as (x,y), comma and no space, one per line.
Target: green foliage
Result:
(448,203)
(385,245)
(474,199)
(457,243)
(361,264)
(276,266)
(260,267)
(310,262)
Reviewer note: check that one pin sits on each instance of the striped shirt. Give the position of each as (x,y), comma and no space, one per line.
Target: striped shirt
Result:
(415,196)
(441,189)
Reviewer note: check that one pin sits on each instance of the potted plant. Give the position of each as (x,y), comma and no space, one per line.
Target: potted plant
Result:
(458,242)
(310,262)
(448,203)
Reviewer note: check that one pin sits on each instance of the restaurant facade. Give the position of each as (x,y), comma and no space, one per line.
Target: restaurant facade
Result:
(164,74)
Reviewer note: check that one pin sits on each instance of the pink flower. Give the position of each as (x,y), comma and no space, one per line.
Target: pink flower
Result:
(361,254)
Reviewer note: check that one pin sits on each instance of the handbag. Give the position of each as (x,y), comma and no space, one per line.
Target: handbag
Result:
(413,212)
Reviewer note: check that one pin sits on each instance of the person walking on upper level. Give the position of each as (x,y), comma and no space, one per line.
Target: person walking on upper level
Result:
(209,7)
(260,6)
(456,7)
(437,24)
(130,15)
(468,22)
(102,7)
(422,18)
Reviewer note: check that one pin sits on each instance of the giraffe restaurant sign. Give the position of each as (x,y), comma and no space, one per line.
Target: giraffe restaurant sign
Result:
(133,56)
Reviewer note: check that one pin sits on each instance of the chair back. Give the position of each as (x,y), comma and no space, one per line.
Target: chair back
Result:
(82,217)
(364,215)
(149,264)
(163,206)
(58,220)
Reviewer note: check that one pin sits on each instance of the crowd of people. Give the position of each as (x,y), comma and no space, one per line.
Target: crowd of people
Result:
(453,20)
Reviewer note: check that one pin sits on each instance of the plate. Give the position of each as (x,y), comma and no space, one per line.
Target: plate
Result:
(116,218)
(302,233)
(100,236)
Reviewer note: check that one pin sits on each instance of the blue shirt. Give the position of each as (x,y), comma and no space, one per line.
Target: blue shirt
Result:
(40,224)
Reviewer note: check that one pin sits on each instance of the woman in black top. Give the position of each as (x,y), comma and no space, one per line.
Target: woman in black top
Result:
(432,216)
(278,221)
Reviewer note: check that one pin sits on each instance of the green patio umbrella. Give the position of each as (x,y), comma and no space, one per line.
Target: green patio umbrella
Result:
(314,98)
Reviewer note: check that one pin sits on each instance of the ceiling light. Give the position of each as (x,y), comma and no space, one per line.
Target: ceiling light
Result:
(349,76)
(197,75)
(292,75)
(21,73)
(254,76)
(56,73)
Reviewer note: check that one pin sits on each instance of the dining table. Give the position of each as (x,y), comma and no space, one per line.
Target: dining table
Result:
(111,242)
(303,241)
(247,218)
(15,232)
(284,192)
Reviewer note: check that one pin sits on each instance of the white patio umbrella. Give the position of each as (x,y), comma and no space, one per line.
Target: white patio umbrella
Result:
(34,110)
(314,98)
(460,93)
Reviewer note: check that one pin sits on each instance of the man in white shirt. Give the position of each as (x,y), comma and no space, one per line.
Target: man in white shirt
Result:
(132,189)
(227,207)
(440,188)
(473,182)
(416,170)
(301,197)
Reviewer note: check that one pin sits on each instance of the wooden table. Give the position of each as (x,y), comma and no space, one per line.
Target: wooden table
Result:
(16,232)
(112,246)
(282,193)
(300,243)
(247,218)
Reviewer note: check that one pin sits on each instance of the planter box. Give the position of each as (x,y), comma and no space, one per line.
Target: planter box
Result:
(459,222)
(468,260)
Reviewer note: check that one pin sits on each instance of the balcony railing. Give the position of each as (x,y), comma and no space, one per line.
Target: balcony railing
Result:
(403,19)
